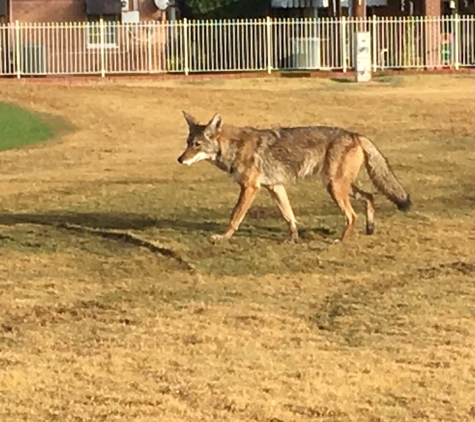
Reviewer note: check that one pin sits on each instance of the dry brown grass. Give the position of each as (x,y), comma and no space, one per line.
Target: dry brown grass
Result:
(381,328)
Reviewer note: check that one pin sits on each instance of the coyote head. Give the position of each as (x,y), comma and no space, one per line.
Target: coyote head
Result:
(202,140)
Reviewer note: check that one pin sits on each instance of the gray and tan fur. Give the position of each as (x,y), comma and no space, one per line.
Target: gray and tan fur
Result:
(272,158)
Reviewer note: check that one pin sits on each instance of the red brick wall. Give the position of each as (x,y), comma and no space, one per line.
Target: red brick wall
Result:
(148,11)
(45,11)
(69,10)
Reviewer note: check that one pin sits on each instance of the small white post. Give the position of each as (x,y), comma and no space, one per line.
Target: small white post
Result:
(362,48)
(269,44)
(456,52)
(103,52)
(185,46)
(344,53)
(17,49)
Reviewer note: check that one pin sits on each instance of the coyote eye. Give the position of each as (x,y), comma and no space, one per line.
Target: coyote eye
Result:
(197,143)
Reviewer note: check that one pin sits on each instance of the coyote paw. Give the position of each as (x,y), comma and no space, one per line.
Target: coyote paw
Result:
(292,241)
(217,238)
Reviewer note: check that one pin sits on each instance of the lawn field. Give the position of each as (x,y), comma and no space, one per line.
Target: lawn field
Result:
(20,127)
(115,306)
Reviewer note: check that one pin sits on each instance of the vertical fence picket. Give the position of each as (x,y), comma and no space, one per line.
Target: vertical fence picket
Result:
(17,49)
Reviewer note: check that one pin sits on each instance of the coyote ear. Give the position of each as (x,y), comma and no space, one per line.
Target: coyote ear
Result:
(190,119)
(214,126)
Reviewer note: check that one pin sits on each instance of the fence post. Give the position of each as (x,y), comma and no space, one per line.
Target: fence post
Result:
(151,29)
(344,53)
(374,43)
(17,50)
(103,52)
(185,46)
(269,44)
(456,41)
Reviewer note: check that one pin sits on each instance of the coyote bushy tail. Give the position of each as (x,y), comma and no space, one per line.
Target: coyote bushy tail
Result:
(383,177)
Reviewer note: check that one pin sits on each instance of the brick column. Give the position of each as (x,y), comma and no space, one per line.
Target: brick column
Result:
(359,12)
(432,8)
(359,8)
(433,29)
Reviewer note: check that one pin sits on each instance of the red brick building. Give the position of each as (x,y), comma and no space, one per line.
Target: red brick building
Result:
(64,36)
(80,10)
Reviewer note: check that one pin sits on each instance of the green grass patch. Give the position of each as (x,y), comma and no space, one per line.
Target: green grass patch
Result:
(20,127)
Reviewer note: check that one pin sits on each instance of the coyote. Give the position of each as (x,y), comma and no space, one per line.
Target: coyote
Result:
(272,158)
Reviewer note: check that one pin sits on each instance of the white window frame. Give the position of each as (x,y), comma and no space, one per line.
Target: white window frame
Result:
(111,33)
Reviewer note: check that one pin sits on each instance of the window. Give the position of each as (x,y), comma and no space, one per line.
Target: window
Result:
(93,32)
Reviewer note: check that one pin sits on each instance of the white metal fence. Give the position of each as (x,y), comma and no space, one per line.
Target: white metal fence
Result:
(105,48)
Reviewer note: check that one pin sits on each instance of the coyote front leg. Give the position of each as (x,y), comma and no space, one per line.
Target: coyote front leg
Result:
(246,197)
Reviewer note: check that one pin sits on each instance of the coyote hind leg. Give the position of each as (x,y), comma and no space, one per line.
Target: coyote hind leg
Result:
(279,194)
(340,191)
(368,200)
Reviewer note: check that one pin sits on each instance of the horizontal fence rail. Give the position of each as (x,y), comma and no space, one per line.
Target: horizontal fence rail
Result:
(106,48)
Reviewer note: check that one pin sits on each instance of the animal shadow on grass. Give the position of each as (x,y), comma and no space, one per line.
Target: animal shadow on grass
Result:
(185,223)
(107,221)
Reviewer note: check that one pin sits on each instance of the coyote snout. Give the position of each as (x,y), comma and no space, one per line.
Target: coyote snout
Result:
(189,157)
